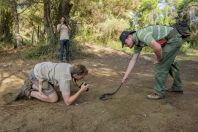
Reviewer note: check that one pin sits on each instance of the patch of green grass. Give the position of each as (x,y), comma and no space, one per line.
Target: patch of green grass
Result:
(38,52)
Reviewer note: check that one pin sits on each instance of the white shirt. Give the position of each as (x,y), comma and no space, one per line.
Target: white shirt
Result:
(64,34)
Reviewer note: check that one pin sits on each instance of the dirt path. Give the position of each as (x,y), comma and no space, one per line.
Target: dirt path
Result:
(128,111)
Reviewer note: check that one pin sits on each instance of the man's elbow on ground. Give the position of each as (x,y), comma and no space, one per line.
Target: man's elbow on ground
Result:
(67,98)
(68,103)
(53,100)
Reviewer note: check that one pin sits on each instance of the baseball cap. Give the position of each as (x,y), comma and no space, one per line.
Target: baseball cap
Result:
(124,35)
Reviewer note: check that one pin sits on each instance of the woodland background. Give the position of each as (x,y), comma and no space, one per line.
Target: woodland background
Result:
(32,23)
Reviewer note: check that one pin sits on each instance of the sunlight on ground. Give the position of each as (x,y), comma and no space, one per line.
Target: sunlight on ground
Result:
(11,82)
(99,50)
(195,83)
(145,75)
(104,72)
(192,52)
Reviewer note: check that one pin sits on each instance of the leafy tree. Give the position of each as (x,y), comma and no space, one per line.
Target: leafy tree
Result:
(5,23)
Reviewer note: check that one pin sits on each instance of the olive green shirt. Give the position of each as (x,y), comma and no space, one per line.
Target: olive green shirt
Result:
(144,36)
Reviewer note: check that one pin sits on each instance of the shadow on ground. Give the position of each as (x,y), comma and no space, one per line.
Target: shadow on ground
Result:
(128,111)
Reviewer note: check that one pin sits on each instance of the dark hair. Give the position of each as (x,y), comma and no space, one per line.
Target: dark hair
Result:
(79,69)
(64,22)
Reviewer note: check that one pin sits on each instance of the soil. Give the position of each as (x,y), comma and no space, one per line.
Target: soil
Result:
(128,111)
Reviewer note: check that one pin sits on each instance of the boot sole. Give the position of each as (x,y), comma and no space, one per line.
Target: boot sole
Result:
(19,95)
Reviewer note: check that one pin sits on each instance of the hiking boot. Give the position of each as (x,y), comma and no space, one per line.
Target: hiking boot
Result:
(19,95)
(155,96)
(25,91)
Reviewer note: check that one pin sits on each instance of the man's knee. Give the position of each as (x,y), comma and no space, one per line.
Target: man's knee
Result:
(53,98)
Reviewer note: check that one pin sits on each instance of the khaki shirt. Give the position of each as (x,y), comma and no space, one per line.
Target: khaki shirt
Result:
(58,74)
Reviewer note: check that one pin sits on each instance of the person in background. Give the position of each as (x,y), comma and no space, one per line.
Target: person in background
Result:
(63,28)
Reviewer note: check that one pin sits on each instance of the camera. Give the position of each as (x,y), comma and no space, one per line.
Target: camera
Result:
(85,85)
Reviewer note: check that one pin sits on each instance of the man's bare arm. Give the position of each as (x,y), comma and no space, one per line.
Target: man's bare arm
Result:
(130,66)
(59,27)
(157,49)
(70,99)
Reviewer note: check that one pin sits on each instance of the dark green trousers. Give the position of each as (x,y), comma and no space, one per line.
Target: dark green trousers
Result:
(168,65)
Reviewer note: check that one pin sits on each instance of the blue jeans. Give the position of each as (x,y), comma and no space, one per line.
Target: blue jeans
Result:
(65,44)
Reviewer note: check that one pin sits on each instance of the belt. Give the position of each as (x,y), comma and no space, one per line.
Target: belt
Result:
(172,34)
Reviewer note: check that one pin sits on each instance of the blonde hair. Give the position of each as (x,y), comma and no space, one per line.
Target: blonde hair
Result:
(79,69)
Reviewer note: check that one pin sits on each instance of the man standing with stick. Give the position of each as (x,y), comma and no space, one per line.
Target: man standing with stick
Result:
(165,42)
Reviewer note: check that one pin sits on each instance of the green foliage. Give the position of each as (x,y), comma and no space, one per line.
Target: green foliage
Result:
(93,21)
(147,5)
(145,12)
(110,29)
(184,48)
(43,51)
(52,52)
(98,16)
(5,24)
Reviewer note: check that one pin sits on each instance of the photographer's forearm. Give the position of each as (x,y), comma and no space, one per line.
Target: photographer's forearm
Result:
(70,99)
(59,28)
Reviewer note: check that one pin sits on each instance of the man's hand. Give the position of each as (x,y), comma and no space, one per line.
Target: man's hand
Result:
(155,61)
(125,79)
(84,87)
(130,67)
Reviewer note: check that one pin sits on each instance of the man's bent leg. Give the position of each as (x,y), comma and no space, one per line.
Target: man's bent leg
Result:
(26,88)
(174,72)
(162,69)
(161,73)
(53,97)
(48,92)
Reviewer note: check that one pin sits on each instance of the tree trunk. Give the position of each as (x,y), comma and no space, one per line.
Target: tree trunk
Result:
(65,8)
(33,37)
(5,24)
(16,23)
(48,23)
(38,32)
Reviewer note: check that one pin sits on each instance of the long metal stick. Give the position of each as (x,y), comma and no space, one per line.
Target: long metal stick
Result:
(107,95)
(117,89)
